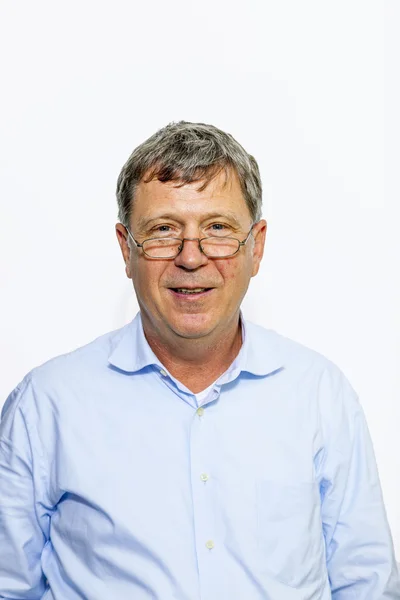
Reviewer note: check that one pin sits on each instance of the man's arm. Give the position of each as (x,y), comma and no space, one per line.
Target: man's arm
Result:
(21,536)
(359,547)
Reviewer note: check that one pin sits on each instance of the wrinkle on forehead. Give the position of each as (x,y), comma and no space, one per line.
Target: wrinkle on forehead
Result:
(156,199)
(217,185)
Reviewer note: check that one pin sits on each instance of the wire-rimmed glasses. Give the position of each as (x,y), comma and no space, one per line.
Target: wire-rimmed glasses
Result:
(212,246)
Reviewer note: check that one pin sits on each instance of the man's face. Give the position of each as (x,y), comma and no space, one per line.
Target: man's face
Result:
(161,209)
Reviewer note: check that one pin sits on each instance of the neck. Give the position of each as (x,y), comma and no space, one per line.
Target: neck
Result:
(196,363)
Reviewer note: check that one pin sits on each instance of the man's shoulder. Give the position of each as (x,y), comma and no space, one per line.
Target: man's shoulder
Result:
(88,358)
(303,367)
(68,374)
(291,353)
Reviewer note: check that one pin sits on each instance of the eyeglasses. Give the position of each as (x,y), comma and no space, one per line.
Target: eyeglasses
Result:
(169,247)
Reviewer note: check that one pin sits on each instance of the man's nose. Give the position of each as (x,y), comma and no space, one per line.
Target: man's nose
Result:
(191,256)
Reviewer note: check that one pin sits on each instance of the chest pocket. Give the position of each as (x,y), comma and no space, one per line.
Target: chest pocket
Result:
(289,533)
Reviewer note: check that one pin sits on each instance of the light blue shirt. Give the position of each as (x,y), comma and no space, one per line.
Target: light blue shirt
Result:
(116,485)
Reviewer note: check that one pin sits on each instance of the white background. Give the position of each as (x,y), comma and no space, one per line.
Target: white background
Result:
(299,83)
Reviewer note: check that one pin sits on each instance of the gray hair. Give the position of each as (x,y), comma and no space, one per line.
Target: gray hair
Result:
(188,152)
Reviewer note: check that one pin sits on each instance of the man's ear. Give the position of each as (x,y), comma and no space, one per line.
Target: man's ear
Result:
(122,237)
(259,234)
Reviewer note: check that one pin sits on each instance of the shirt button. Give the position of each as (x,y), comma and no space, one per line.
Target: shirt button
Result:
(204,477)
(200,411)
(210,544)
(164,373)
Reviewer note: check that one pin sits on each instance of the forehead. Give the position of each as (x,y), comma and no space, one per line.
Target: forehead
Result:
(222,193)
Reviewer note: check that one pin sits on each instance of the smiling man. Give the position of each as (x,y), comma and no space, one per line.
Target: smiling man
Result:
(190,294)
(190,455)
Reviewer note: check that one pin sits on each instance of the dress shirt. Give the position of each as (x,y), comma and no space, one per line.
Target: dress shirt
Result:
(116,485)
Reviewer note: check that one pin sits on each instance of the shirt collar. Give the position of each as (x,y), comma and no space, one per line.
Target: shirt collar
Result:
(262,350)
(131,352)
(260,353)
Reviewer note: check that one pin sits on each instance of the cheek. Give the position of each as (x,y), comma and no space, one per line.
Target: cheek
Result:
(233,272)
(145,277)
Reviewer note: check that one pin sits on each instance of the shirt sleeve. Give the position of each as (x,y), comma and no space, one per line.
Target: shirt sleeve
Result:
(21,536)
(359,547)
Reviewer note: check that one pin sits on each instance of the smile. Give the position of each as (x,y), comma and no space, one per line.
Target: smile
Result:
(190,291)
(194,292)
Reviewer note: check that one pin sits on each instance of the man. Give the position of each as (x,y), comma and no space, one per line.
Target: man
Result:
(190,455)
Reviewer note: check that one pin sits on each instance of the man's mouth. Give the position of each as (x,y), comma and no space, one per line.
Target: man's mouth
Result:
(190,291)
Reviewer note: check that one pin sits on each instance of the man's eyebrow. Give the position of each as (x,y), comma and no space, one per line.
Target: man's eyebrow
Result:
(144,222)
(230,216)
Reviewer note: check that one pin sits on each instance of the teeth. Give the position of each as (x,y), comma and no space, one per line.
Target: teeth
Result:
(186,291)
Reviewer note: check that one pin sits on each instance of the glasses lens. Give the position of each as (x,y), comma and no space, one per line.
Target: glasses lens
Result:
(161,247)
(220,247)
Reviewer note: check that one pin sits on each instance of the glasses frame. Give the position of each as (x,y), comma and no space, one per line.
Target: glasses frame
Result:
(199,240)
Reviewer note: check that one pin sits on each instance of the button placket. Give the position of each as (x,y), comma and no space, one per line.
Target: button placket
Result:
(203,491)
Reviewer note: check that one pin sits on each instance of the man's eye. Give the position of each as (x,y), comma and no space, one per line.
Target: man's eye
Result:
(217,228)
(162,228)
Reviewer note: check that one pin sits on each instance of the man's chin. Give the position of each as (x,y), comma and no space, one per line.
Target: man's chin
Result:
(192,328)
